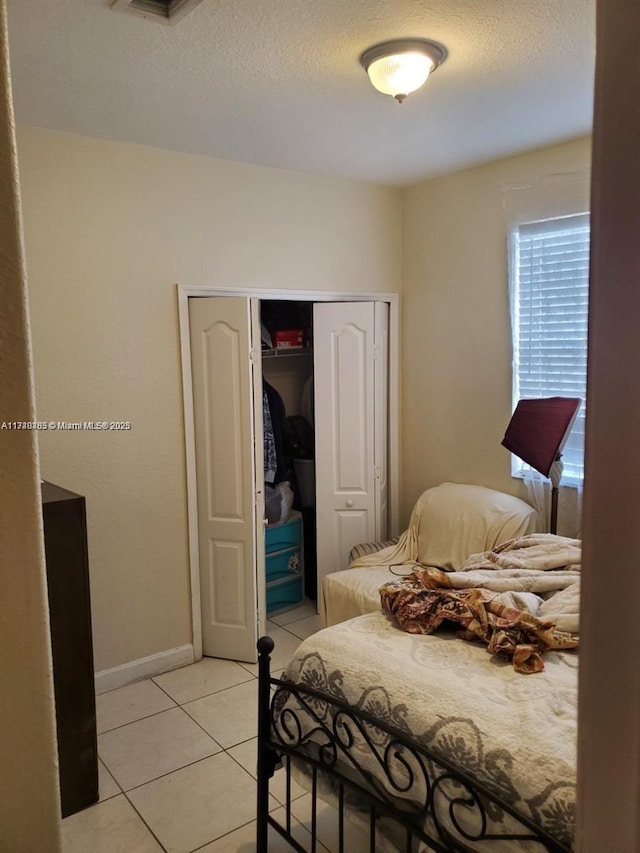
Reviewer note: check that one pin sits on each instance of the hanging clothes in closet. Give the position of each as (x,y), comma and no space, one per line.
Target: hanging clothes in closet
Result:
(270,456)
(273,416)
(306,402)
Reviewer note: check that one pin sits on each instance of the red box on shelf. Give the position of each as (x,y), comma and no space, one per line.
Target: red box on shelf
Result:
(288,338)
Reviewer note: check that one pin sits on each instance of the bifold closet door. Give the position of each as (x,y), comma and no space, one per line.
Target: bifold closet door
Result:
(227,403)
(381,420)
(344,342)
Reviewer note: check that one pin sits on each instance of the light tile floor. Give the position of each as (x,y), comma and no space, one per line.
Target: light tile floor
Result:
(177,759)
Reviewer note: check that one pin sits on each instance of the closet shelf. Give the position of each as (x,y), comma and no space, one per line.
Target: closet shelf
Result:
(286,351)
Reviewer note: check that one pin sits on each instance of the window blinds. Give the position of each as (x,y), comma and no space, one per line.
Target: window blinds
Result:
(550,281)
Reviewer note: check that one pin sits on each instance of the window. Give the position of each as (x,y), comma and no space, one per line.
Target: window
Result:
(550,288)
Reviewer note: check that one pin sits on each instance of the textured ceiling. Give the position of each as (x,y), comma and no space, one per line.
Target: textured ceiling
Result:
(277,82)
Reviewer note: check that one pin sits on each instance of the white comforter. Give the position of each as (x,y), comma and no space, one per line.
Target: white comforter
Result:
(516,733)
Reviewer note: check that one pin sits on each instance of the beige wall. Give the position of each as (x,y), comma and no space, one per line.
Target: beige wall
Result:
(456,333)
(110,228)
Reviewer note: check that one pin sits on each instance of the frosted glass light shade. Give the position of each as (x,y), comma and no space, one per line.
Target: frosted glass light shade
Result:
(399,67)
(400,74)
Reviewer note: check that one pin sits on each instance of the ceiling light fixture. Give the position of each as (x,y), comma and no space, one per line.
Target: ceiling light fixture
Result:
(400,67)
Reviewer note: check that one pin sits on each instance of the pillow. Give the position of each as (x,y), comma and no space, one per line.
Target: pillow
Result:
(453,520)
(366,548)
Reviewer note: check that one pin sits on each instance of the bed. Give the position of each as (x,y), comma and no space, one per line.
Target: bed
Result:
(448,523)
(429,741)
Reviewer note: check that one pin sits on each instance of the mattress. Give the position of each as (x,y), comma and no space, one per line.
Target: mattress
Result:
(352,592)
(516,733)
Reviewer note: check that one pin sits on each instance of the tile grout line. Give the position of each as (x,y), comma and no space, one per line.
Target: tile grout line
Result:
(160,844)
(180,704)
(293,621)
(182,708)
(160,687)
(176,770)
(220,837)
(214,692)
(300,639)
(115,782)
(157,714)
(222,749)
(252,674)
(240,743)
(233,758)
(169,772)
(193,720)
(191,764)
(139,719)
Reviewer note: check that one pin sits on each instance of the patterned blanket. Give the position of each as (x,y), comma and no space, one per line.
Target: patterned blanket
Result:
(421,602)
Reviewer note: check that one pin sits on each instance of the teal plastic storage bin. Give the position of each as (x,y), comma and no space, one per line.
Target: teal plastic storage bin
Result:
(284,564)
(281,596)
(284,535)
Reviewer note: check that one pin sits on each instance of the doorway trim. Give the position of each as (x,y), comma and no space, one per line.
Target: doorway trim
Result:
(184,292)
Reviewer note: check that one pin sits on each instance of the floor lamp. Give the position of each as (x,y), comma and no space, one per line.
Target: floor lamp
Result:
(537,432)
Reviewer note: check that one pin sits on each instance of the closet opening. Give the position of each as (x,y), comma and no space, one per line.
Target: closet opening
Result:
(329,364)
(286,331)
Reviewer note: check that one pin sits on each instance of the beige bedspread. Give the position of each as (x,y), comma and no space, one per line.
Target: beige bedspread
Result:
(516,734)
(539,551)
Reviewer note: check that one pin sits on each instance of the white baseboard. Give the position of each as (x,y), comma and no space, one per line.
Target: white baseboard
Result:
(136,670)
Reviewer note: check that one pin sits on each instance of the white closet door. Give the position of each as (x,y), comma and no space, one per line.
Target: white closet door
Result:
(344,377)
(227,401)
(381,420)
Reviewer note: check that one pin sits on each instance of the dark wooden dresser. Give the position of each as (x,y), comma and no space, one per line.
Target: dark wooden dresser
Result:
(65,542)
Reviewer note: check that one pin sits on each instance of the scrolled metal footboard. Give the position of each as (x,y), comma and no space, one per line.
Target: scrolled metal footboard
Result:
(371,767)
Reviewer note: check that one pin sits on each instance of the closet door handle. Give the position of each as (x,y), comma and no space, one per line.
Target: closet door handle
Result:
(349,502)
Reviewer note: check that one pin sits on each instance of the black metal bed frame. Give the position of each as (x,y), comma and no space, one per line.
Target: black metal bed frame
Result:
(430,799)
